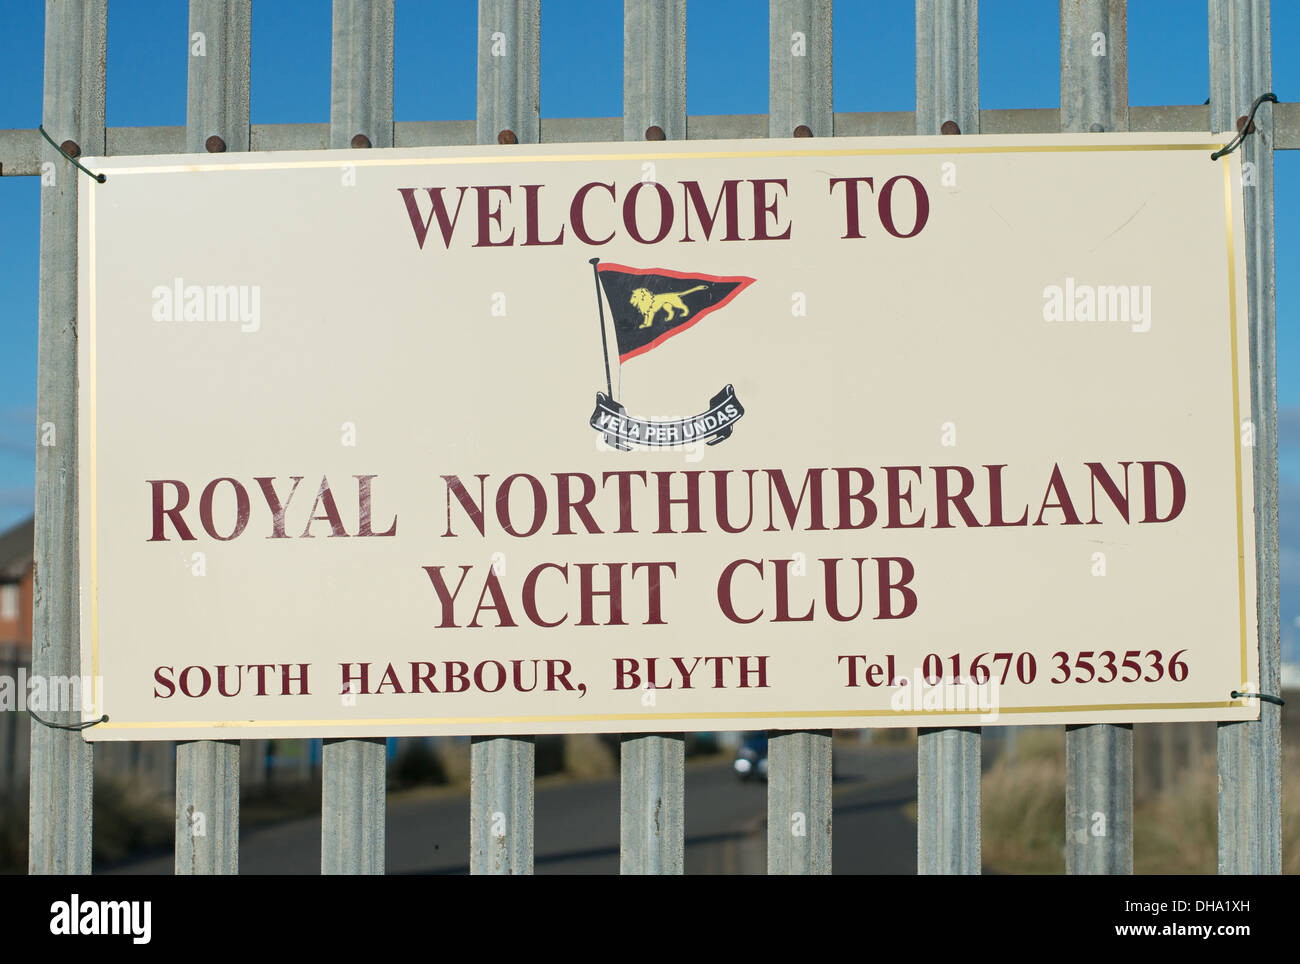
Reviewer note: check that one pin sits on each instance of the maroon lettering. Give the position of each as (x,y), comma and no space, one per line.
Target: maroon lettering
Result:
(577,219)
(782,569)
(503,505)
(654,594)
(241,509)
(421,224)
(1056,484)
(724,590)
(567,505)
(897,497)
(588,593)
(763,211)
(364,509)
(830,567)
(906,573)
(946,499)
(473,509)
(325,498)
(1150,511)
(812,484)
(886,205)
(852,228)
(445,596)
(996,518)
(1110,487)
(848,496)
(665,212)
(691,500)
(728,195)
(531,229)
(492,587)
(488,216)
(530,594)
(278,508)
(174,513)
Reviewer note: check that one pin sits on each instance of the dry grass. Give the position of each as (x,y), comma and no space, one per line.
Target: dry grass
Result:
(1023,806)
(1174,832)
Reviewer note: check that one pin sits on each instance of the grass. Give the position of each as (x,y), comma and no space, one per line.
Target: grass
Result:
(1174,832)
(1022,802)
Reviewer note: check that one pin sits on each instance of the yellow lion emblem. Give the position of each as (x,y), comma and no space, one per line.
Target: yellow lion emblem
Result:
(670,301)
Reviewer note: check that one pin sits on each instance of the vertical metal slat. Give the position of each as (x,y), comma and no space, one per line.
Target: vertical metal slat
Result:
(216,119)
(502,768)
(1099,757)
(799,68)
(652,795)
(799,762)
(1250,754)
(354,772)
(948,760)
(59,831)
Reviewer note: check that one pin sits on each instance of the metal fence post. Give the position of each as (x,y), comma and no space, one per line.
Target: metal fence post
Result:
(61,785)
(207,771)
(354,781)
(948,760)
(652,814)
(502,768)
(1098,758)
(799,69)
(1250,774)
(799,762)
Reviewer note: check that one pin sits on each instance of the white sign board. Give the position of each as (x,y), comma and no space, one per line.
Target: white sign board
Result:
(666,436)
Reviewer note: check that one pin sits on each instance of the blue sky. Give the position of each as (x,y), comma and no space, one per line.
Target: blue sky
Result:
(582,77)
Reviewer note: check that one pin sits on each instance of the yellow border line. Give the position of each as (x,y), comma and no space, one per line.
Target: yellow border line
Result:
(91,378)
(916,714)
(721,715)
(351,161)
(1236,412)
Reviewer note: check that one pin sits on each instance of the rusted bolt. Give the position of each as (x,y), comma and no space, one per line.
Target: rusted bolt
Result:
(655,133)
(803,130)
(1241,125)
(215,145)
(70,148)
(949,127)
(360,140)
(507,136)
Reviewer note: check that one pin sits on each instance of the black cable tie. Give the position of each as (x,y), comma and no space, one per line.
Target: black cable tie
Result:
(1266,697)
(101,178)
(1246,128)
(84,725)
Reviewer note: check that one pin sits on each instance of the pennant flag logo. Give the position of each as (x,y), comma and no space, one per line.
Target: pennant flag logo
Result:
(648,306)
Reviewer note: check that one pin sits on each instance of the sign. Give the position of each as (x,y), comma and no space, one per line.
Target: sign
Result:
(666,436)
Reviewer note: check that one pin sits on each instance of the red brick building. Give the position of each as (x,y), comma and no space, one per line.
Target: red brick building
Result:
(16,546)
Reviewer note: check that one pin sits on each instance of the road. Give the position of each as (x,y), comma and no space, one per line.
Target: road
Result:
(577,825)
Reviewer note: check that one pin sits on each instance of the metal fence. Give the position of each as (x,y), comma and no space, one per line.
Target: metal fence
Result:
(1094,97)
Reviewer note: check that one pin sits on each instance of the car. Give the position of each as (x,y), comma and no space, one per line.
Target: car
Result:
(751,758)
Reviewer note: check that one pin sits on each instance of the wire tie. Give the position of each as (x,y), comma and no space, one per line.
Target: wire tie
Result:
(101,178)
(84,725)
(1246,128)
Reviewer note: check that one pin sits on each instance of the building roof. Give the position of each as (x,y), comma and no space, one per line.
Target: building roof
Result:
(16,550)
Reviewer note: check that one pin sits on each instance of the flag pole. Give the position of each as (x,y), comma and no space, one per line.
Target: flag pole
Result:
(600,305)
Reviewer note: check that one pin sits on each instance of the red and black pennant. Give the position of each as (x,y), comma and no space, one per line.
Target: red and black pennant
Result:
(650,305)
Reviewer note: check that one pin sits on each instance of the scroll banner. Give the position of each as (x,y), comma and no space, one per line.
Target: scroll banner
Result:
(711,427)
